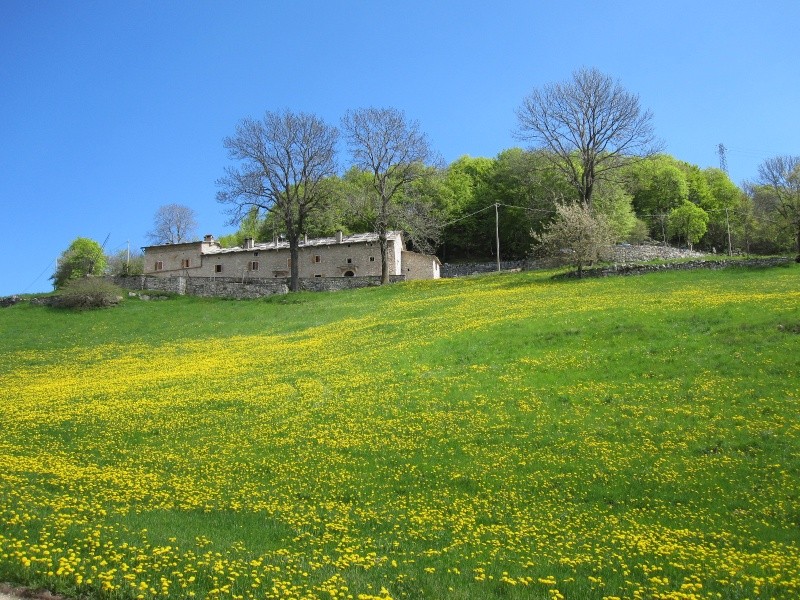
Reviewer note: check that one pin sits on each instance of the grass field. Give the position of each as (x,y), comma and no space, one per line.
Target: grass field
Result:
(496,437)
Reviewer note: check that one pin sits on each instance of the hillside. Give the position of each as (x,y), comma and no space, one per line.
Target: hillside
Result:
(504,436)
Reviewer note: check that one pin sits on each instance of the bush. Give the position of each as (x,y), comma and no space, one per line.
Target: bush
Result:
(88,292)
(578,235)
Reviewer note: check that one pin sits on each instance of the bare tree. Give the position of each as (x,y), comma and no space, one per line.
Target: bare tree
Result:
(590,125)
(393,151)
(284,160)
(173,224)
(782,175)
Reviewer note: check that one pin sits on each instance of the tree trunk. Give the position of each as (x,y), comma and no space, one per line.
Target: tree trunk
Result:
(797,258)
(294,271)
(384,244)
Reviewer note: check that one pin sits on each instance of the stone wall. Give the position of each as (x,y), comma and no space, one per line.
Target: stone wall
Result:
(626,253)
(621,269)
(333,284)
(464,269)
(6,301)
(623,253)
(229,287)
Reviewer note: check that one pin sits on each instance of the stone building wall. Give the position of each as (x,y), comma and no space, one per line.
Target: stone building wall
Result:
(354,255)
(420,266)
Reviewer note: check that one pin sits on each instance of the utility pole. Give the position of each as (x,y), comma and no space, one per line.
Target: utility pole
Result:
(497,233)
(728,225)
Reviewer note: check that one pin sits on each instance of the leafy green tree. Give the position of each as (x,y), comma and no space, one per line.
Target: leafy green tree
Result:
(639,233)
(697,184)
(781,175)
(748,227)
(658,185)
(83,257)
(612,201)
(726,208)
(465,180)
(464,193)
(524,186)
(689,222)
(527,188)
(768,232)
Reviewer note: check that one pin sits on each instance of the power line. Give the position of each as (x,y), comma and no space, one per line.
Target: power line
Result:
(469,215)
(540,210)
(30,285)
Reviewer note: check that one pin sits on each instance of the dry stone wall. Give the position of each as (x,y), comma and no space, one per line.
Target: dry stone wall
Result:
(627,253)
(464,269)
(623,253)
(622,269)
(229,287)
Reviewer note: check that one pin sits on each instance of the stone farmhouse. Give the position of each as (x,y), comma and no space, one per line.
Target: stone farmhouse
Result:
(356,255)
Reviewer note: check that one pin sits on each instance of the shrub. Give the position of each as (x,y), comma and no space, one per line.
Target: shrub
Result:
(88,292)
(578,235)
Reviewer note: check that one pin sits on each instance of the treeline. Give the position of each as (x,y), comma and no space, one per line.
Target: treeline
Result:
(516,195)
(593,170)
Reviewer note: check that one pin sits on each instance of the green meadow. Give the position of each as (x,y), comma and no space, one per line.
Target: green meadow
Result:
(506,436)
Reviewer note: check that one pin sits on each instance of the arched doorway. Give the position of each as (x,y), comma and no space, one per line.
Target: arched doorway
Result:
(349,274)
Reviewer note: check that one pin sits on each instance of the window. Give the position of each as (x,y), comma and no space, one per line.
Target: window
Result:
(289,262)
(255,253)
(371,259)
(317,258)
(185,263)
(317,275)
(349,261)
(159,265)
(217,268)
(254,265)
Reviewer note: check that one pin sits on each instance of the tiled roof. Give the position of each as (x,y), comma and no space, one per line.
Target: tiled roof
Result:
(356,238)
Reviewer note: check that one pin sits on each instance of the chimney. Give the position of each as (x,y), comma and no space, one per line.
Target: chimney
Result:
(339,237)
(305,238)
(248,243)
(208,238)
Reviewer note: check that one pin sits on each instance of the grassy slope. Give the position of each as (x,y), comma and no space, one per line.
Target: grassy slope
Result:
(504,436)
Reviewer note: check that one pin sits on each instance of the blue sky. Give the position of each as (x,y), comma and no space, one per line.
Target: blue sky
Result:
(111,109)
